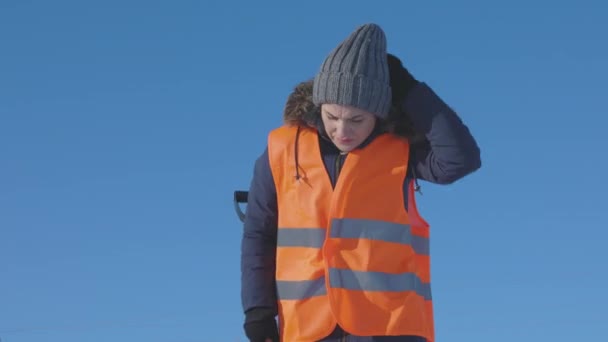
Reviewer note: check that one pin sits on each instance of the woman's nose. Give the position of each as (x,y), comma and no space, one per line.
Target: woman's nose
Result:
(341,127)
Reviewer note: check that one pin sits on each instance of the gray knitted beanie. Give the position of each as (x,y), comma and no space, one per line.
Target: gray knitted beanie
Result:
(356,73)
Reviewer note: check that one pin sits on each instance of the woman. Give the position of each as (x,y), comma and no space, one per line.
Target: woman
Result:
(333,244)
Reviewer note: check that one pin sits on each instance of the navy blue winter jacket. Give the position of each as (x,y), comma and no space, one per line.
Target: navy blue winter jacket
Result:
(448,153)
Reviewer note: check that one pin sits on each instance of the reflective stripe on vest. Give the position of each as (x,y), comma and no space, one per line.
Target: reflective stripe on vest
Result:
(351,255)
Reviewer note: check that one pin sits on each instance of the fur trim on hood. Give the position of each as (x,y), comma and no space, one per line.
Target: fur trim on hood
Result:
(300,111)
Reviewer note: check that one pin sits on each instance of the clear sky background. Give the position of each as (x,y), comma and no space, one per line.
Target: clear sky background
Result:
(125,127)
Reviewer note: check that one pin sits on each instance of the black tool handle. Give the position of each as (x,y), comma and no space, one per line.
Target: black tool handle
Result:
(240,197)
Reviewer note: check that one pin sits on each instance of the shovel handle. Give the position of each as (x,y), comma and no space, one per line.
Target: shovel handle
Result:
(240,197)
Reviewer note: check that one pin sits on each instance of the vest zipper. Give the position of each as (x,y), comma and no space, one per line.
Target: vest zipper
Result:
(337,167)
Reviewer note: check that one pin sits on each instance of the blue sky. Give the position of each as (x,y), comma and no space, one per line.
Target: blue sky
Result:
(125,126)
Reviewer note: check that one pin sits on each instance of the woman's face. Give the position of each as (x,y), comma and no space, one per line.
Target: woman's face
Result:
(347,126)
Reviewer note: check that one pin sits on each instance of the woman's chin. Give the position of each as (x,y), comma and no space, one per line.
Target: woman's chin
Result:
(344,147)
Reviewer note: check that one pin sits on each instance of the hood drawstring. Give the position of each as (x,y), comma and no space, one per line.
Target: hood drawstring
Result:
(417,187)
(297,176)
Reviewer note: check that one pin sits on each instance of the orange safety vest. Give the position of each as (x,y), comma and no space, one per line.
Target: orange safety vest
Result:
(352,255)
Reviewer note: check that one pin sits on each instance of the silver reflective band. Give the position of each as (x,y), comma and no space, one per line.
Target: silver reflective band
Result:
(378,281)
(379,230)
(300,237)
(302,289)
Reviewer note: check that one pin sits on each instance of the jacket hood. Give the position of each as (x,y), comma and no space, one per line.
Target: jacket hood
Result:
(300,110)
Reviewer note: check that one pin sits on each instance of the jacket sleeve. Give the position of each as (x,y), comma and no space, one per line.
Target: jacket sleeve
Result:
(259,240)
(449,151)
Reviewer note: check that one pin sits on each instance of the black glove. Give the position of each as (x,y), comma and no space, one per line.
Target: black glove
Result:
(261,325)
(402,81)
